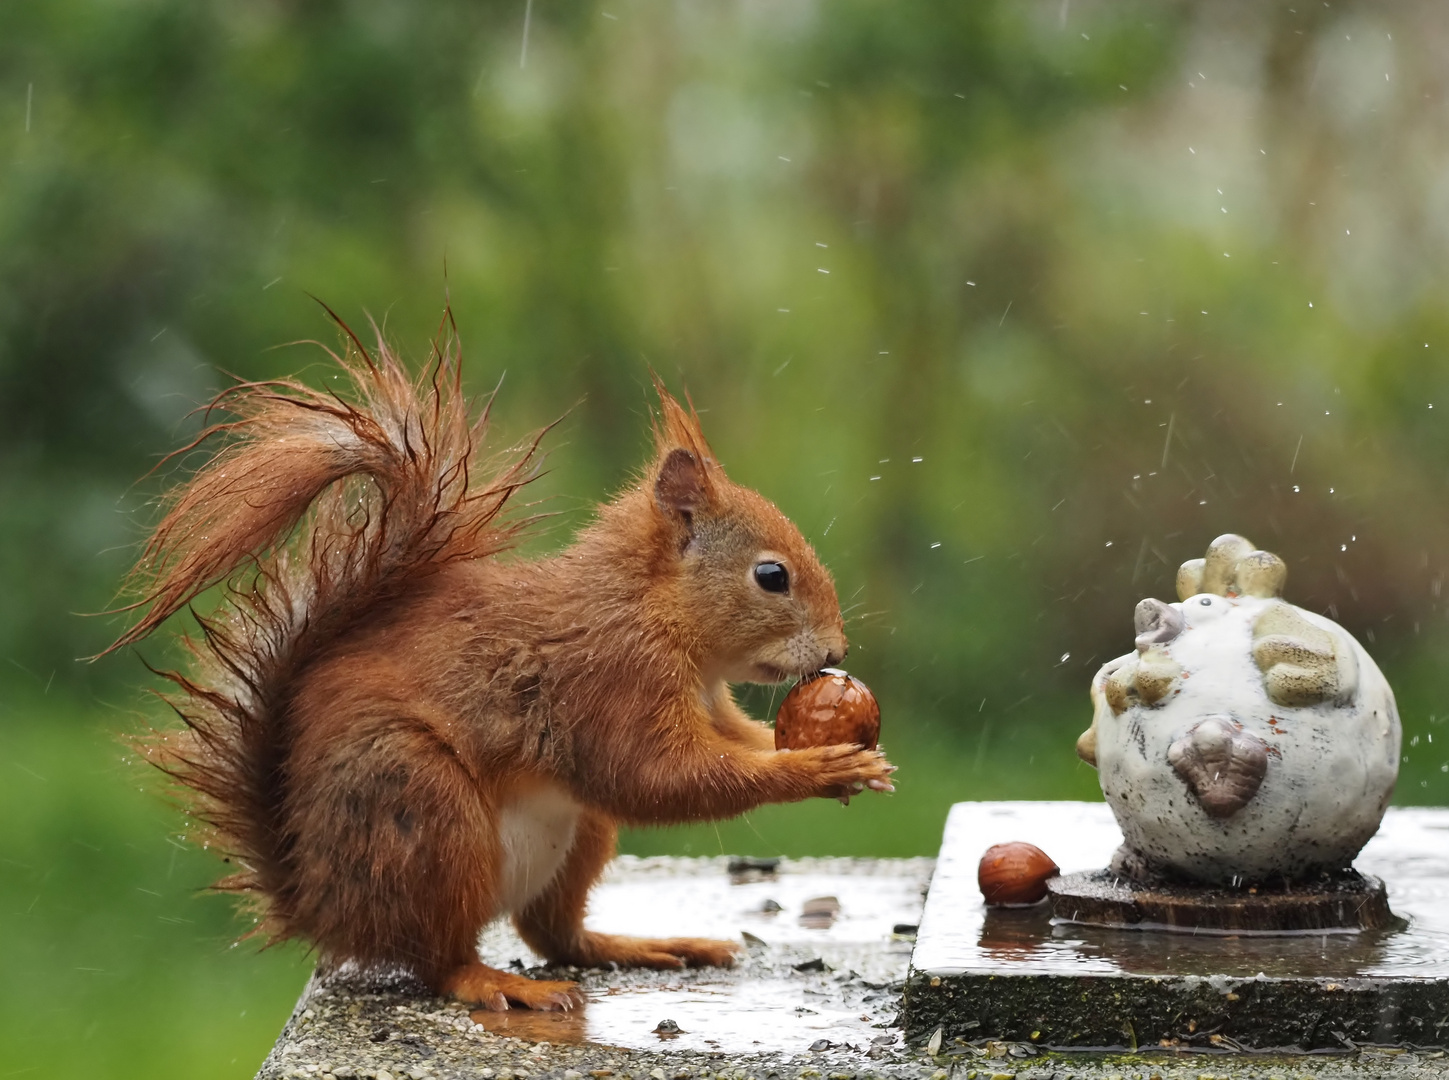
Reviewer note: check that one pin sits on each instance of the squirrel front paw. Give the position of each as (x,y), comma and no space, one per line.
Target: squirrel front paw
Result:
(847,769)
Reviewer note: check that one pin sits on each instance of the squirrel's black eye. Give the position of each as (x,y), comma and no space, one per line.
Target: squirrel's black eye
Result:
(772,577)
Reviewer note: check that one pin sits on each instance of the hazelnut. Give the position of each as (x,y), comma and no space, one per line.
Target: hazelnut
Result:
(1015,873)
(827,709)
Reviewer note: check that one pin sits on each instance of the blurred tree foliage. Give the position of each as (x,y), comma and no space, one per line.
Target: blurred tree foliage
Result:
(986,236)
(1013,306)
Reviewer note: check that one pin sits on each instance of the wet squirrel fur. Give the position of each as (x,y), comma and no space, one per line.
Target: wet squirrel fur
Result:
(399,732)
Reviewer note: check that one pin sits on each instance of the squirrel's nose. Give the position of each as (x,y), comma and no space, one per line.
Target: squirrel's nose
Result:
(834,656)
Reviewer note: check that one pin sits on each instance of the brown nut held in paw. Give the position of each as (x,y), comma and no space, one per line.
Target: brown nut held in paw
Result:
(1014,873)
(827,709)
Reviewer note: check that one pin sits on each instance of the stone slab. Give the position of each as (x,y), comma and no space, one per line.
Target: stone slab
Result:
(348,1027)
(1019,974)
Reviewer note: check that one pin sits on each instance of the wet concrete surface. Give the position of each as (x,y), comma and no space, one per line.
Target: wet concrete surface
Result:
(826,946)
(817,996)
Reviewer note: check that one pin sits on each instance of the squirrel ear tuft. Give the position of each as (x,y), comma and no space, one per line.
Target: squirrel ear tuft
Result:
(674,425)
(686,473)
(681,488)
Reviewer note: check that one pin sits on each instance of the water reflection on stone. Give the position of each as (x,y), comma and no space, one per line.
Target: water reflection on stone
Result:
(822,961)
(1016,934)
(730,1014)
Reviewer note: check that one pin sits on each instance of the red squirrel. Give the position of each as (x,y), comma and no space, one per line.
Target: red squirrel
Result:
(399,735)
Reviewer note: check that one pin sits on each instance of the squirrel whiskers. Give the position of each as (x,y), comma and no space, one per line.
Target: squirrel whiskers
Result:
(399,735)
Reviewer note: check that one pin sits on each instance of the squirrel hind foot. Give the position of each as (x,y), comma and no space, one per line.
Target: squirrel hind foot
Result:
(478,984)
(665,954)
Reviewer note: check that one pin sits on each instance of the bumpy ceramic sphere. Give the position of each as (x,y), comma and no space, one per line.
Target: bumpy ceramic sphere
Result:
(1246,739)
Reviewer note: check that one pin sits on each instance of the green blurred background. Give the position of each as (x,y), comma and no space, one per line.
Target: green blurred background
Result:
(1012,306)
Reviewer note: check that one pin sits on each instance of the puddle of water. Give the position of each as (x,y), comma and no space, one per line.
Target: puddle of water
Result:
(732,1016)
(792,909)
(958,933)
(807,931)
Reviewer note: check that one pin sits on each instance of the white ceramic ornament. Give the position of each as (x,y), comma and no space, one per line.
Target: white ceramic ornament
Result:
(1245,740)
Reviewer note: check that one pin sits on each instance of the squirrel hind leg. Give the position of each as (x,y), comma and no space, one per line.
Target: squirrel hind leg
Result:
(553,923)
(396,856)
(475,983)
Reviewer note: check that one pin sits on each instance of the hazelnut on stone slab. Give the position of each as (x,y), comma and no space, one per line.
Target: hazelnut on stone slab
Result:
(1014,874)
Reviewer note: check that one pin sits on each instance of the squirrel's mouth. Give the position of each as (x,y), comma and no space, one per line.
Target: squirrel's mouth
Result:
(769,673)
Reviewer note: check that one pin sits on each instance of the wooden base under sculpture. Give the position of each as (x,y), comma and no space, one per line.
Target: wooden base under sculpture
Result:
(1345,901)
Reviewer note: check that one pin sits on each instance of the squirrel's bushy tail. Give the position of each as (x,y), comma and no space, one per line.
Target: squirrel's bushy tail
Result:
(320,506)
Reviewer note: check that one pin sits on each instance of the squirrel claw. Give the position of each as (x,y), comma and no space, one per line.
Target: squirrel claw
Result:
(847,770)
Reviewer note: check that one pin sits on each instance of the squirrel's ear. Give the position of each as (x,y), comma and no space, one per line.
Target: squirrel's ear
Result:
(680,487)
